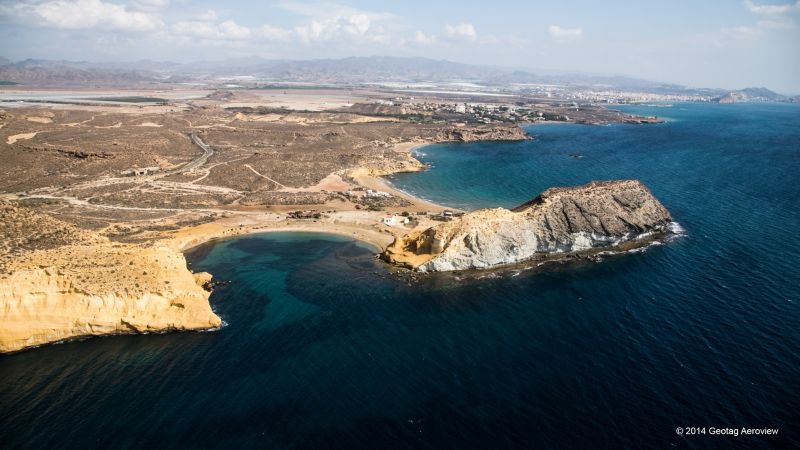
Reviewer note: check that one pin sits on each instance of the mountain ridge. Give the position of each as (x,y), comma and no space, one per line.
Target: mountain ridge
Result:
(350,70)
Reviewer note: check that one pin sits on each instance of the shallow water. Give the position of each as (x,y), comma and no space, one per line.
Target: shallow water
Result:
(325,349)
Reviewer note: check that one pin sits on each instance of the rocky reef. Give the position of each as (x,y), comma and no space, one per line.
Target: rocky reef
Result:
(600,214)
(60,282)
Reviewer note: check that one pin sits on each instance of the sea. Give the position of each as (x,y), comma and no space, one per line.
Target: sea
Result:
(676,346)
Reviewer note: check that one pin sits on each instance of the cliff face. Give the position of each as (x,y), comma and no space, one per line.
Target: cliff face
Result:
(59,282)
(561,220)
(472,134)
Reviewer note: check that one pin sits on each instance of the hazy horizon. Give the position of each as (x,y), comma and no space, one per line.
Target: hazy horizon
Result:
(729,45)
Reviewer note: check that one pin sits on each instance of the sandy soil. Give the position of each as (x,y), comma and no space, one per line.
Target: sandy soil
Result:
(20,137)
(331,183)
(361,225)
(305,120)
(299,101)
(39,119)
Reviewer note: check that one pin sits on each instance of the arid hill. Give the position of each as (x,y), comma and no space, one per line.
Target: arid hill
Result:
(59,282)
(560,221)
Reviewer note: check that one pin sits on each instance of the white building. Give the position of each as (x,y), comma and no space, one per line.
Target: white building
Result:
(394,220)
(371,193)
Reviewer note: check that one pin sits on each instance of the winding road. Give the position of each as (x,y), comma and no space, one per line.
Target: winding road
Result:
(197,163)
(141,182)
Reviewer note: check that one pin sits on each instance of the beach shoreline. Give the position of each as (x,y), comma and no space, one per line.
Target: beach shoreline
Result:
(361,225)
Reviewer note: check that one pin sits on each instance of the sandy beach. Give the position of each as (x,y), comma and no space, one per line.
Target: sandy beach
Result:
(361,225)
(365,226)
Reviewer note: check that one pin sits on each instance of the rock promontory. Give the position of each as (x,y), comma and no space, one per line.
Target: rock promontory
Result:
(600,214)
(59,282)
(476,133)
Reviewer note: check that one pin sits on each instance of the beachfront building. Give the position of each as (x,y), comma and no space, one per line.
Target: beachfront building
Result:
(393,220)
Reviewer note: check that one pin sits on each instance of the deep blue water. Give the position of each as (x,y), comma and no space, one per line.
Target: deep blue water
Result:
(324,349)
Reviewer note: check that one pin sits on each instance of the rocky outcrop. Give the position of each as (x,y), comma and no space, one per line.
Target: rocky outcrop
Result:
(560,221)
(473,134)
(404,161)
(58,282)
(730,97)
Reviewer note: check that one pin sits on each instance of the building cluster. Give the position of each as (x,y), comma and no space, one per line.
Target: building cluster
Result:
(600,95)
(446,215)
(487,112)
(360,194)
(138,172)
(394,220)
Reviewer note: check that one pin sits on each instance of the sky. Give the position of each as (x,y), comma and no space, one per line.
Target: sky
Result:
(711,43)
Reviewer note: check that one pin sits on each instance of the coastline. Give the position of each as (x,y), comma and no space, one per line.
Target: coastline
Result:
(337,218)
(189,239)
(362,225)
(379,183)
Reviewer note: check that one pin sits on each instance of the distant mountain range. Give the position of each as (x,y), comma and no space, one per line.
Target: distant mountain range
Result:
(72,74)
(349,71)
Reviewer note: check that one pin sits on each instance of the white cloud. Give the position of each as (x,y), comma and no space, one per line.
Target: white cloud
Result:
(358,28)
(150,5)
(772,10)
(462,31)
(273,33)
(565,34)
(356,25)
(208,16)
(84,14)
(333,22)
(423,39)
(314,9)
(321,25)
(225,31)
(232,30)
(327,10)
(773,19)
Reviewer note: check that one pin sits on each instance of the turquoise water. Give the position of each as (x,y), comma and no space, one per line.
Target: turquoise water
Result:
(325,349)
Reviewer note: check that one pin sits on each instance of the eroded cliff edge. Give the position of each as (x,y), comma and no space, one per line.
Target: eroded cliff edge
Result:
(59,282)
(600,214)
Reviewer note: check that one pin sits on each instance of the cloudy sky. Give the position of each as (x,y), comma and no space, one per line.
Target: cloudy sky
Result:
(717,43)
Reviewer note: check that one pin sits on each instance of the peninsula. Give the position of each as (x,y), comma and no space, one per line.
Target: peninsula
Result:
(598,215)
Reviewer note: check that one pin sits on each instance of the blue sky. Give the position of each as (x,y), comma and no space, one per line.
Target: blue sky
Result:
(715,43)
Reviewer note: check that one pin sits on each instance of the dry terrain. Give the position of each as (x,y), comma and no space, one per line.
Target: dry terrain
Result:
(98,200)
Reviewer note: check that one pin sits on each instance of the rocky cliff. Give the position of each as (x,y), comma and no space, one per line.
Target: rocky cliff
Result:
(482,133)
(561,220)
(59,282)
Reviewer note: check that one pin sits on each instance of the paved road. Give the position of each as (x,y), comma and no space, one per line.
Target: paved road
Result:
(197,163)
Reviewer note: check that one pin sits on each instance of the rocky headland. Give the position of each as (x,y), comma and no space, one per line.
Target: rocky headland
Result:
(60,282)
(474,134)
(404,161)
(598,215)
